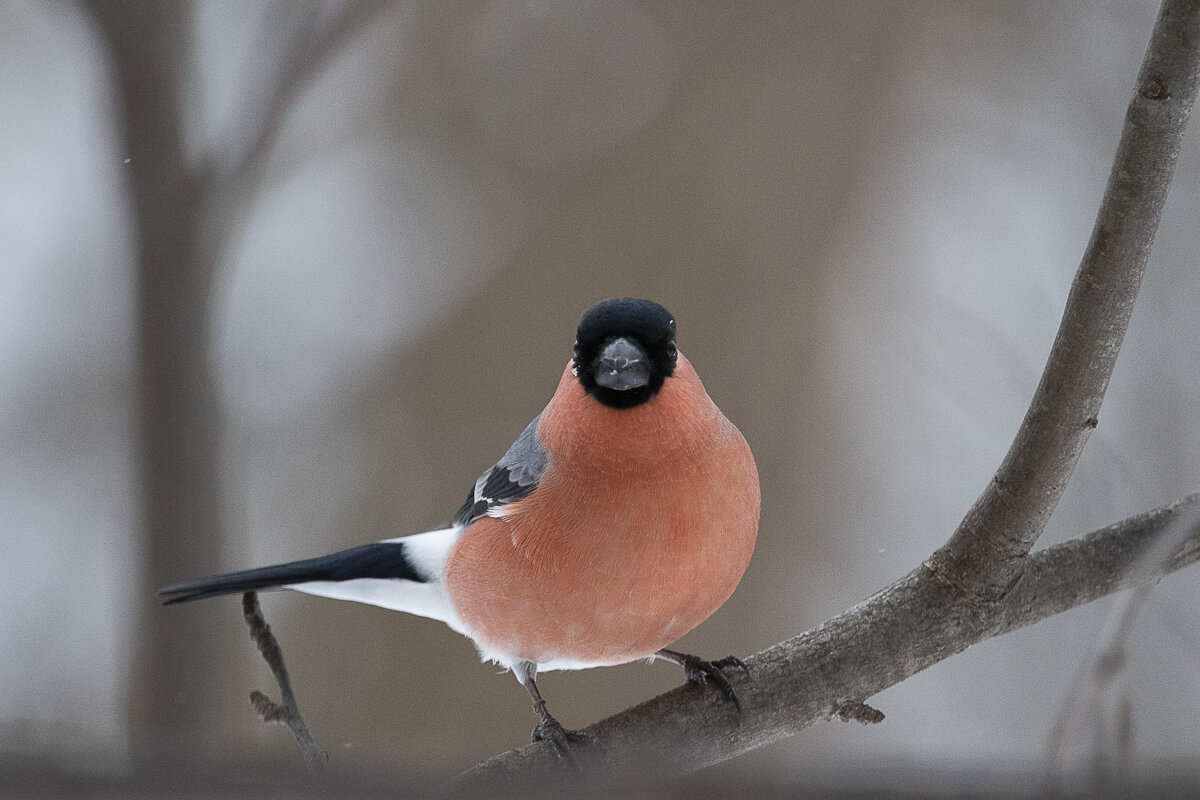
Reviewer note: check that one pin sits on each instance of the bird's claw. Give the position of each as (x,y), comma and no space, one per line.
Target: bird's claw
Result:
(701,672)
(732,661)
(567,743)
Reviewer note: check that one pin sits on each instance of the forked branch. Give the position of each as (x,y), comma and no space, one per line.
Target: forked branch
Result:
(986,552)
(984,581)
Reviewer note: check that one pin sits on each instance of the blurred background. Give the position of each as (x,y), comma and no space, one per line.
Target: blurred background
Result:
(282,278)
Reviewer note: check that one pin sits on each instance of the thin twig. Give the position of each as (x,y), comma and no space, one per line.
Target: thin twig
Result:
(288,712)
(1095,699)
(858,711)
(233,184)
(1095,696)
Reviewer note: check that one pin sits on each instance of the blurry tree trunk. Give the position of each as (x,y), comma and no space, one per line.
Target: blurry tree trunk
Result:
(177,414)
(184,215)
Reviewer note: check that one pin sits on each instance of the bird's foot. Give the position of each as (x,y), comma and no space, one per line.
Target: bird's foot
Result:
(702,673)
(567,744)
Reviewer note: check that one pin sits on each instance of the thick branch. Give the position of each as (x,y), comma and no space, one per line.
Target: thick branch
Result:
(1005,522)
(909,626)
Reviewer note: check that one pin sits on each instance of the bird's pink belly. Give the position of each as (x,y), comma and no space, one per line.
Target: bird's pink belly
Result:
(590,605)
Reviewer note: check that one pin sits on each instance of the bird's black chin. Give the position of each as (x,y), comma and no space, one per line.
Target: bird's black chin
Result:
(628,398)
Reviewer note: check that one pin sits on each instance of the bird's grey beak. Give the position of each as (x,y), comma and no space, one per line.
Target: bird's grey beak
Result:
(622,365)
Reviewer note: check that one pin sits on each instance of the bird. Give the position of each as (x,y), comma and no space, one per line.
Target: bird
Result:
(622,517)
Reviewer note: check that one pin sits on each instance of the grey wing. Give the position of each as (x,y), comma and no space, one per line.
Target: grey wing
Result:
(513,477)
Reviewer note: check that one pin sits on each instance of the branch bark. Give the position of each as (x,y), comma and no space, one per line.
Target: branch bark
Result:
(983,581)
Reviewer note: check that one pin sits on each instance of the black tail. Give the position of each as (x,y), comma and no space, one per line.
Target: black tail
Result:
(382,560)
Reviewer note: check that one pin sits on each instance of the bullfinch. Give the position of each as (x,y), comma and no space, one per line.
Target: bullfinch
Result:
(620,519)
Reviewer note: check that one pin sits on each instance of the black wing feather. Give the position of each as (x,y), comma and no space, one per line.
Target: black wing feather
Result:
(498,489)
(514,477)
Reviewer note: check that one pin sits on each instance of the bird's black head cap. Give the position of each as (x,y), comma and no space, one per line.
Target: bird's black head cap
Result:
(624,351)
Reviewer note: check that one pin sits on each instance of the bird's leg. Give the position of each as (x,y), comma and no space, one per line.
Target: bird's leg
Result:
(700,672)
(549,729)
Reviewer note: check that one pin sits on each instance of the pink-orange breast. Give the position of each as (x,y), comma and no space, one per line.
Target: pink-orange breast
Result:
(639,531)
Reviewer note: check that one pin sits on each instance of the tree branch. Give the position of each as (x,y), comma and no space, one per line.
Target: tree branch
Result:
(235,181)
(913,624)
(1000,529)
(983,582)
(271,712)
(305,55)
